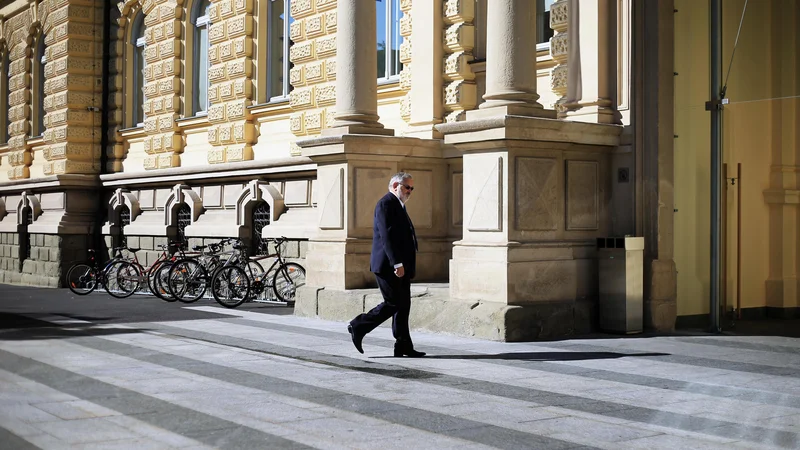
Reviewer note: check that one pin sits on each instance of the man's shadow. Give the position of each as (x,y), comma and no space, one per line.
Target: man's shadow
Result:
(543,356)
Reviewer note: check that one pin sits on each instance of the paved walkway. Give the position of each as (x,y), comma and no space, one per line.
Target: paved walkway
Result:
(252,380)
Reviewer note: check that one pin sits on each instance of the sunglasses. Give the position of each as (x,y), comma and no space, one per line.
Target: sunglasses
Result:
(410,188)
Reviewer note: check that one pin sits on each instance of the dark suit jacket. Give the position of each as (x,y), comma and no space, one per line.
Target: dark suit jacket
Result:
(393,238)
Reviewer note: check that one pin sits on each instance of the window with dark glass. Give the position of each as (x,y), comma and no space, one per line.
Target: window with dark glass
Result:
(201,22)
(184,219)
(260,220)
(280,20)
(388,38)
(24,236)
(137,83)
(38,90)
(124,221)
(543,30)
(5,91)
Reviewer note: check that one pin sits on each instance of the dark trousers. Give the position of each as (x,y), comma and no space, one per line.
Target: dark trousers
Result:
(396,304)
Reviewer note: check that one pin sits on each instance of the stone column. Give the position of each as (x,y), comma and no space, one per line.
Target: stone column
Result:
(162,52)
(74,91)
(356,71)
(594,65)
(511,60)
(232,131)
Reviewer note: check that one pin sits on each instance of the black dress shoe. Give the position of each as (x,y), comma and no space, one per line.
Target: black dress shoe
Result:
(356,339)
(401,350)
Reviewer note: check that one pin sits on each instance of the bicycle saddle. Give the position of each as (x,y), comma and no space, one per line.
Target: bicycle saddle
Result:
(133,250)
(199,248)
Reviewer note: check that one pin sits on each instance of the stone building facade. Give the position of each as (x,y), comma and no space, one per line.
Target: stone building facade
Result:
(532,128)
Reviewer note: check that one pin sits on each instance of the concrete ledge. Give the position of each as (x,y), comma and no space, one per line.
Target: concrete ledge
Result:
(432,309)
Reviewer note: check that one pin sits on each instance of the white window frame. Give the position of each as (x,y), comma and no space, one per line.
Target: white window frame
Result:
(286,86)
(203,21)
(390,28)
(140,43)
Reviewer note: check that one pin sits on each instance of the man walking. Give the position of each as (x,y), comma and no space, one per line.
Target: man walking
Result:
(393,261)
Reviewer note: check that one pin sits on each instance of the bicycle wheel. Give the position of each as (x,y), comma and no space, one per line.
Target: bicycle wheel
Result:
(81,279)
(162,283)
(230,286)
(127,277)
(187,280)
(151,276)
(160,288)
(286,281)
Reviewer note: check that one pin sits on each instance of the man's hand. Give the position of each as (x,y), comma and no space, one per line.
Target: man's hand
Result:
(400,271)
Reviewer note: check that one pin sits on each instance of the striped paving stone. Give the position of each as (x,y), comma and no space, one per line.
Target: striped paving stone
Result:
(263,381)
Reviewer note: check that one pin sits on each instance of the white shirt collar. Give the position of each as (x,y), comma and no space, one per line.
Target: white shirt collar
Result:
(398,198)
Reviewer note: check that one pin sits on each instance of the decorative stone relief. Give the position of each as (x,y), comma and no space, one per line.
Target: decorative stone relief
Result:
(460,91)
(313,54)
(331,215)
(536,202)
(406,30)
(583,195)
(17,30)
(486,189)
(559,50)
(232,131)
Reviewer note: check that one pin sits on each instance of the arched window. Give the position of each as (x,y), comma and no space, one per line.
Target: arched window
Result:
(5,94)
(137,82)
(183,219)
(201,23)
(280,20)
(260,220)
(388,38)
(38,87)
(24,236)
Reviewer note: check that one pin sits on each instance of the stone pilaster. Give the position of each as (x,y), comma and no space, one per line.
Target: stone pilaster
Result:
(559,51)
(19,38)
(406,30)
(115,151)
(162,88)
(460,91)
(313,76)
(73,89)
(232,131)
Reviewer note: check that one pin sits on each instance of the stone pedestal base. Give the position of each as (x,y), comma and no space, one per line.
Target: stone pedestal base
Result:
(432,309)
(524,274)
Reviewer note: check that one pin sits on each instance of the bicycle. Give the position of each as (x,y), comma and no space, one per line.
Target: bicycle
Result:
(131,273)
(84,277)
(188,277)
(231,284)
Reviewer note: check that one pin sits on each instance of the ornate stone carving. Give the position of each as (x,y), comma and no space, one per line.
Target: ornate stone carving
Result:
(313,54)
(460,94)
(559,50)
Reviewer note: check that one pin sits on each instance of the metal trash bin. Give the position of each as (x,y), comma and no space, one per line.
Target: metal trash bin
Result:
(621,276)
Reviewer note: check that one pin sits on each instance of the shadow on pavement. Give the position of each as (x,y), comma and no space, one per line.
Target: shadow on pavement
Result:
(548,356)
(15,327)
